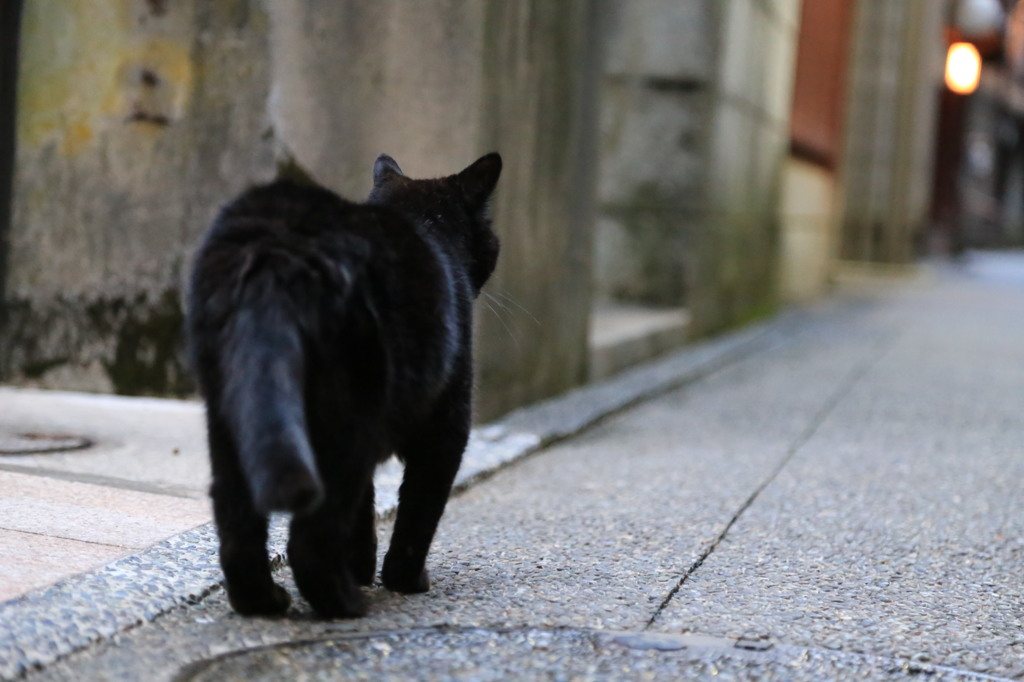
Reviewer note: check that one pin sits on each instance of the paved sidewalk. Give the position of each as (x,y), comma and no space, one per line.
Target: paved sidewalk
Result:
(835,495)
(141,480)
(117,475)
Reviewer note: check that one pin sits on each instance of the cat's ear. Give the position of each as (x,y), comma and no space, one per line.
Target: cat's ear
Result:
(385,168)
(479,179)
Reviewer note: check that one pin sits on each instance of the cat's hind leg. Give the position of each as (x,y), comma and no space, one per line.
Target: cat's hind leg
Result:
(243,535)
(318,551)
(326,548)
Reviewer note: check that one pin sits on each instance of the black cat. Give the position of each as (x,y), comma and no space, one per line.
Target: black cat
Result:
(327,335)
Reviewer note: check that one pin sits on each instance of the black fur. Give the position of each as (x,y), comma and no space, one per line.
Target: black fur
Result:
(327,335)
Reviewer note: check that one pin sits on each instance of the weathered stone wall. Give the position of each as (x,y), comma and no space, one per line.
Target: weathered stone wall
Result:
(735,271)
(896,62)
(542,66)
(137,118)
(696,98)
(808,242)
(656,93)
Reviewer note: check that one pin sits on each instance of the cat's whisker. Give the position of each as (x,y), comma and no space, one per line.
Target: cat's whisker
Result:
(509,314)
(502,307)
(511,334)
(497,313)
(497,301)
(506,299)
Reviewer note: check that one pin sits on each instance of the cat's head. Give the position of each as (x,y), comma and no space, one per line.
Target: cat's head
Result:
(457,207)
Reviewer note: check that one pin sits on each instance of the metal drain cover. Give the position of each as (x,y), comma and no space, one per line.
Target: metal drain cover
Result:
(481,654)
(40,443)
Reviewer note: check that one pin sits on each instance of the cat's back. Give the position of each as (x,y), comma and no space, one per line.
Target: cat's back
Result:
(284,208)
(310,245)
(287,213)
(293,226)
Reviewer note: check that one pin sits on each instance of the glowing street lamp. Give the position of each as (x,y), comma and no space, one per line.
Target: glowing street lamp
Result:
(963,68)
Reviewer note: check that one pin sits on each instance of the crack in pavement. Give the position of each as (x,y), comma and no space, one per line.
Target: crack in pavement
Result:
(852,378)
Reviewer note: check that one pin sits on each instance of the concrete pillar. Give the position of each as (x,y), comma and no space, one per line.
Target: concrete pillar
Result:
(351,80)
(695,106)
(736,244)
(437,84)
(656,92)
(892,103)
(542,65)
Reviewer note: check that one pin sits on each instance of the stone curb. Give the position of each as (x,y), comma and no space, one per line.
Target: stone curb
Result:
(46,624)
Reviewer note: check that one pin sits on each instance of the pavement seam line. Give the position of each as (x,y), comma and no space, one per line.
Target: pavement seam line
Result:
(102,481)
(67,539)
(851,379)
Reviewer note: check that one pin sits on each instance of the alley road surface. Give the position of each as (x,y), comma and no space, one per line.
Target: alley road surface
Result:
(846,503)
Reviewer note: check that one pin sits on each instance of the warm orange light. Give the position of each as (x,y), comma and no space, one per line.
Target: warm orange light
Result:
(963,68)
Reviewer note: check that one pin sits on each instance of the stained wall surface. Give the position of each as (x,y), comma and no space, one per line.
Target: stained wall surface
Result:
(695,132)
(137,119)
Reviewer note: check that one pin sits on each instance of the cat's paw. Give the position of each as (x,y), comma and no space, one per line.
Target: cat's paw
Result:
(364,568)
(399,576)
(272,602)
(345,600)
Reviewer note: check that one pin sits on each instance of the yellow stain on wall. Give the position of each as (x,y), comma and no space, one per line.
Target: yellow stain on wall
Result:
(77,135)
(84,73)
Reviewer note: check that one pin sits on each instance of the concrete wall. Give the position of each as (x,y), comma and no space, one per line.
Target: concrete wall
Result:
(896,70)
(350,80)
(541,66)
(137,118)
(736,246)
(695,106)
(656,97)
(807,253)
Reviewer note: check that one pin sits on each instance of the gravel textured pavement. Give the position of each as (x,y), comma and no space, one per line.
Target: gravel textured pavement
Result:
(844,503)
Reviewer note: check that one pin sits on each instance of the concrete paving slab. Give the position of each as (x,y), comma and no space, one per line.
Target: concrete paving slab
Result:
(29,561)
(896,530)
(51,529)
(94,513)
(156,444)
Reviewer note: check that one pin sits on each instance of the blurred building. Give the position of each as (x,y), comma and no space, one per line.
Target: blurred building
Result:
(672,169)
(695,104)
(980,183)
(869,76)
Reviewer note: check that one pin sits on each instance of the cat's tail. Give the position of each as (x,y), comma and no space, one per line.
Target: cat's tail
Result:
(263,365)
